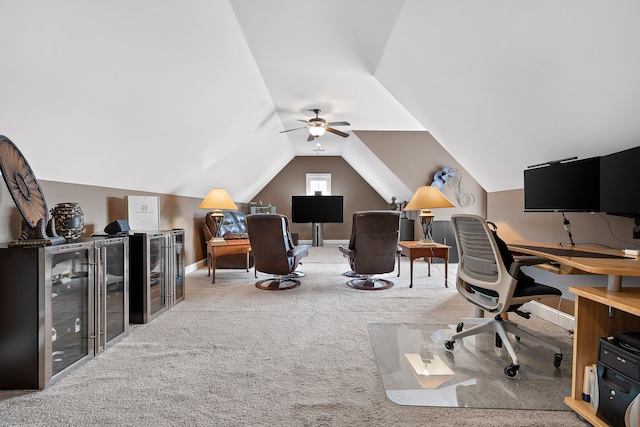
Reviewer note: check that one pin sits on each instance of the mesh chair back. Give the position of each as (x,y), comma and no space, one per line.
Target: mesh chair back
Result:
(482,276)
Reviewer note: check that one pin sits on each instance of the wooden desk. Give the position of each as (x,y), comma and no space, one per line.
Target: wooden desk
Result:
(574,260)
(415,250)
(599,312)
(229,247)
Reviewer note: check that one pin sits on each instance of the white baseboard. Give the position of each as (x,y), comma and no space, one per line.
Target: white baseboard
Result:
(195,266)
(550,314)
(325,242)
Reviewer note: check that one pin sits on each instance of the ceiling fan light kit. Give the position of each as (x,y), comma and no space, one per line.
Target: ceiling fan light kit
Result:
(317,130)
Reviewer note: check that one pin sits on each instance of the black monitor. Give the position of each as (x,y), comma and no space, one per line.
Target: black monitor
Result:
(572,186)
(316,209)
(618,179)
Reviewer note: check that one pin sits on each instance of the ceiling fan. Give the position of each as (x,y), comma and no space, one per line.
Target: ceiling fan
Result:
(317,126)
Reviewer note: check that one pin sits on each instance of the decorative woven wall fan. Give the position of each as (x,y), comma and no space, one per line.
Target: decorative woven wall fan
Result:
(28,197)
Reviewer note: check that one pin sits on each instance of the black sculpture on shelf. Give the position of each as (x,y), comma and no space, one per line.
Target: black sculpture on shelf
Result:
(28,197)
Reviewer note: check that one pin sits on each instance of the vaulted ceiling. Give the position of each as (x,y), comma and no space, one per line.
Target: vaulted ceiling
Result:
(178,97)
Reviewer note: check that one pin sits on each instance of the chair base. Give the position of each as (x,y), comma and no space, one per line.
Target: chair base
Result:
(297,274)
(352,273)
(368,283)
(280,283)
(501,328)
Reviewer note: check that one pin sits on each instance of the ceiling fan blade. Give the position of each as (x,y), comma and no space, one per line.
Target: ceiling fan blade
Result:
(311,138)
(289,130)
(337,132)
(339,124)
(303,121)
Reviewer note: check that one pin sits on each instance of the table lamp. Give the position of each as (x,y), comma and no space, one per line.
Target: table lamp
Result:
(218,199)
(424,199)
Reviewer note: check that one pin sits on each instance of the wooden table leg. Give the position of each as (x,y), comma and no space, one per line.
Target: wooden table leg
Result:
(428,259)
(213,270)
(446,272)
(208,264)
(411,268)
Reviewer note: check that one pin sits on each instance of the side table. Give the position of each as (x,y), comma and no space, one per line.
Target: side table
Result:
(229,247)
(415,250)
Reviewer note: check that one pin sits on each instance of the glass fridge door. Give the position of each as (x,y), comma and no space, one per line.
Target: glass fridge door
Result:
(157,261)
(178,271)
(112,291)
(71,286)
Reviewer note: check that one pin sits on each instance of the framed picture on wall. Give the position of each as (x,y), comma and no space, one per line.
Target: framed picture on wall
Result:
(143,212)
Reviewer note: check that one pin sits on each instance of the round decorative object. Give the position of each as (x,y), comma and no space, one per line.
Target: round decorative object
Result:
(22,183)
(68,219)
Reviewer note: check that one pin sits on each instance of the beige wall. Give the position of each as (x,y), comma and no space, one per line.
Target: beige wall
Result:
(506,209)
(291,181)
(414,157)
(102,205)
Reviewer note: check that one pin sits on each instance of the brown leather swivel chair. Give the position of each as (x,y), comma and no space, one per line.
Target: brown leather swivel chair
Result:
(372,248)
(274,251)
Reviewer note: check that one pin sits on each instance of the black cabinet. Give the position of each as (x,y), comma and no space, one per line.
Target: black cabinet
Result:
(407,229)
(442,232)
(59,307)
(156,265)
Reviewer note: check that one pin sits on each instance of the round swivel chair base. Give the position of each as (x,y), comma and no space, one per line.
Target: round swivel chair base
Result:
(297,274)
(277,283)
(370,284)
(352,273)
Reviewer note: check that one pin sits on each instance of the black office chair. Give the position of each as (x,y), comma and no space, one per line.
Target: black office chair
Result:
(486,281)
(373,248)
(273,251)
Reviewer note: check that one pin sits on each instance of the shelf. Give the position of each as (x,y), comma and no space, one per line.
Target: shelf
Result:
(585,410)
(594,320)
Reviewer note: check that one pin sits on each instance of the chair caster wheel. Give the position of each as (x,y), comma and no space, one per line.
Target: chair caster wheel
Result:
(511,371)
(459,327)
(448,344)
(557,359)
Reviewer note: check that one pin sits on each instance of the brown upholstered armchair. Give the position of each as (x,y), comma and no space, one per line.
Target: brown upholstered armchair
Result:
(274,251)
(373,248)
(234,226)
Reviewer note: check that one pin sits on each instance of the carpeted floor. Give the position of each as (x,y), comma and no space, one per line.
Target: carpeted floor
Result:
(233,355)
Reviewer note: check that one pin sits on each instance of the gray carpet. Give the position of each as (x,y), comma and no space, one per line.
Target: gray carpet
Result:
(233,355)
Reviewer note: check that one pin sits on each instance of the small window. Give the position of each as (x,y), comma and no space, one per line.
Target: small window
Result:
(319,182)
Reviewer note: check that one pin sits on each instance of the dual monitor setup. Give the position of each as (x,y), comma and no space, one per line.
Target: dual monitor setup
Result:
(596,184)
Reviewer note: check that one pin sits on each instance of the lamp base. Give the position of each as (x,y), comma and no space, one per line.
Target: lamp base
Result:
(217,240)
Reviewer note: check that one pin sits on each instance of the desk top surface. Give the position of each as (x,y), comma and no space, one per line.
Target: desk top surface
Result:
(591,259)
(420,245)
(231,242)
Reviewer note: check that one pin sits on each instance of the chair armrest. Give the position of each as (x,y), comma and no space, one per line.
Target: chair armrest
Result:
(346,251)
(299,251)
(525,260)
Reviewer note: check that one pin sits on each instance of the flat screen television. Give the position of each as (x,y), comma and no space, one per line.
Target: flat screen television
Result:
(572,186)
(618,178)
(317,209)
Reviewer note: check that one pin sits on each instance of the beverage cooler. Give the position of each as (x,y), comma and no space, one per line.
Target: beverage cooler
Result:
(59,306)
(156,266)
